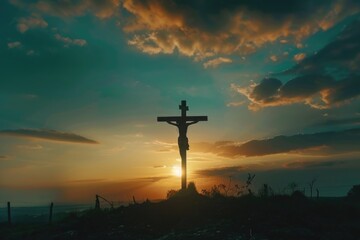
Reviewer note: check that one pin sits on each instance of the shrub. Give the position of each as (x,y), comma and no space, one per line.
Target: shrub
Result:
(354,192)
(265,191)
(171,193)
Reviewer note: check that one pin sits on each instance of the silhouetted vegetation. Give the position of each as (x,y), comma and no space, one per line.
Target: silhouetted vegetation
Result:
(218,213)
(354,193)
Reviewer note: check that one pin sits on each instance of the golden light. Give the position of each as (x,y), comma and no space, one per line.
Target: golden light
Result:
(176,170)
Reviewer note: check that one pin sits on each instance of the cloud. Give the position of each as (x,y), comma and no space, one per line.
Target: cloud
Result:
(48,134)
(88,181)
(159,166)
(31,147)
(314,164)
(16,44)
(64,8)
(317,91)
(274,58)
(223,171)
(30,53)
(33,21)
(315,143)
(299,57)
(342,54)
(338,121)
(203,29)
(69,41)
(296,165)
(163,146)
(327,79)
(153,179)
(213,63)
(235,104)
(206,28)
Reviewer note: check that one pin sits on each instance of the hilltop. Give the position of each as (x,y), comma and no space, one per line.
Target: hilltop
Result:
(190,215)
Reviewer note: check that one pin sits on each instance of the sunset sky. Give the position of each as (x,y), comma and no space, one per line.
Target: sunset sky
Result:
(82,82)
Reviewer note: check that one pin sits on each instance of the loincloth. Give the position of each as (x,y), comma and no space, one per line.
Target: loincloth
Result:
(183,143)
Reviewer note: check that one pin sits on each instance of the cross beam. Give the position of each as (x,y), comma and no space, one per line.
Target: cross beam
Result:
(182,122)
(188,118)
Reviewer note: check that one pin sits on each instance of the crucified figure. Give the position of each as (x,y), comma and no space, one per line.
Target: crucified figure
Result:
(183,141)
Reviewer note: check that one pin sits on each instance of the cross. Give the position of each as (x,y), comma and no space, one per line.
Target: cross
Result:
(182,122)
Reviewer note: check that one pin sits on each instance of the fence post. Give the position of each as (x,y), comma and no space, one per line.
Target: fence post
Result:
(97,202)
(9,212)
(317,193)
(51,212)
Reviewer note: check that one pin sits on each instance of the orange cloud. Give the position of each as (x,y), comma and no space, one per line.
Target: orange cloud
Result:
(315,85)
(206,28)
(213,63)
(273,58)
(299,57)
(225,28)
(317,91)
(33,21)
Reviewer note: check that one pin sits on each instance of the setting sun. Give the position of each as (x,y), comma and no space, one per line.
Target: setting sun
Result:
(176,170)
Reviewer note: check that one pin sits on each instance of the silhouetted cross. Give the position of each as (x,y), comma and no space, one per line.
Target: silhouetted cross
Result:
(182,122)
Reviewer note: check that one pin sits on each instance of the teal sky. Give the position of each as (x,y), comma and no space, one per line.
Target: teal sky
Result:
(82,83)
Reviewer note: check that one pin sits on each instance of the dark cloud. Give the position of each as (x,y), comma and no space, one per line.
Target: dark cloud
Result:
(343,53)
(340,121)
(304,87)
(317,91)
(267,89)
(205,28)
(315,164)
(47,134)
(236,170)
(224,171)
(202,29)
(326,79)
(317,143)
(87,181)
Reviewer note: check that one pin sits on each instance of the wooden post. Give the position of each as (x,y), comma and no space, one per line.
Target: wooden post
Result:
(9,212)
(97,202)
(317,193)
(51,212)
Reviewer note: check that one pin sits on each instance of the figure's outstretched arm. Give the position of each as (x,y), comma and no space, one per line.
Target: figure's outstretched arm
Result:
(191,123)
(169,122)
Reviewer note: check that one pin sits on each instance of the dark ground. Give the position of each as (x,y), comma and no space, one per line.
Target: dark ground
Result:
(194,216)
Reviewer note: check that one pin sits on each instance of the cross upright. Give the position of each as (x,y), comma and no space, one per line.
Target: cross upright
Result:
(182,122)
(183,108)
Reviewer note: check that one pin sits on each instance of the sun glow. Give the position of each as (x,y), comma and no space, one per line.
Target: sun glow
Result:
(176,170)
